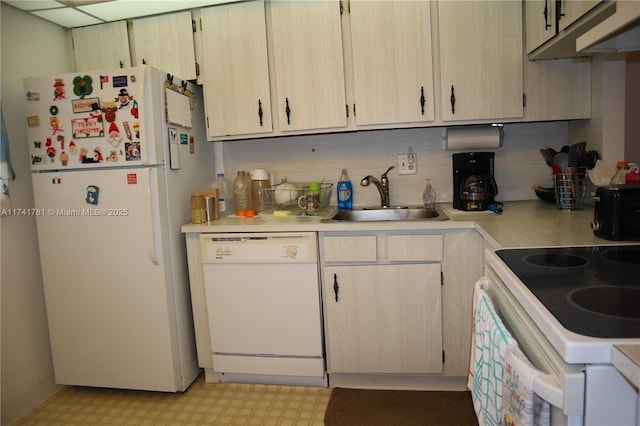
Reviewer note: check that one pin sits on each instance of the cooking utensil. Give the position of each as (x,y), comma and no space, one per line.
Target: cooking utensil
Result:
(548,158)
(576,153)
(561,160)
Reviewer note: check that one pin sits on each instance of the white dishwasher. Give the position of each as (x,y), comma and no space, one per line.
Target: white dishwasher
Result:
(264,307)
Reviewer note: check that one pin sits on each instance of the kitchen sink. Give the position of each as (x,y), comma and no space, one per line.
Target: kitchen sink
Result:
(389,213)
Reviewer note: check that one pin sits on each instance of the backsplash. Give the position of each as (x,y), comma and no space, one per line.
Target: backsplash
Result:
(518,164)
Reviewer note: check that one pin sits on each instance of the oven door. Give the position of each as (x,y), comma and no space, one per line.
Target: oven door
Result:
(563,384)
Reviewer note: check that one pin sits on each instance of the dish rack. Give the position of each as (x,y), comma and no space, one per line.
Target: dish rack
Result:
(284,197)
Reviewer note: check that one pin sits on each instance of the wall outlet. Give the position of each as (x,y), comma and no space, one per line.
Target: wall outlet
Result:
(407,164)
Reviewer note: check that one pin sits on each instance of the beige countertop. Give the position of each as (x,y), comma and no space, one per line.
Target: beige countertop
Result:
(523,224)
(626,358)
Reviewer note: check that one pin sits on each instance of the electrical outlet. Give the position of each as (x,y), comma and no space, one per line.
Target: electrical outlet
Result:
(407,164)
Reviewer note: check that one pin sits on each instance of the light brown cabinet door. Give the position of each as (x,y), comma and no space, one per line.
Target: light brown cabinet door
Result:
(386,319)
(100,47)
(392,61)
(236,69)
(306,52)
(481,59)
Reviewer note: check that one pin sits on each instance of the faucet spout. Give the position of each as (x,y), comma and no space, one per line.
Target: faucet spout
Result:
(382,185)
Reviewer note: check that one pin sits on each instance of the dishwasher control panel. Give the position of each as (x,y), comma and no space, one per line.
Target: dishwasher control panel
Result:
(281,247)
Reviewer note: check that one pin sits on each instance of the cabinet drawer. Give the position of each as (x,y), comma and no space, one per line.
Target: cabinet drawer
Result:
(414,248)
(350,249)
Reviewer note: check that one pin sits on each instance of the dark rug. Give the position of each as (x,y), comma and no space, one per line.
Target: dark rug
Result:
(355,407)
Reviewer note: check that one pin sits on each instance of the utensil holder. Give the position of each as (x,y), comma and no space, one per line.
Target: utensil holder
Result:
(570,188)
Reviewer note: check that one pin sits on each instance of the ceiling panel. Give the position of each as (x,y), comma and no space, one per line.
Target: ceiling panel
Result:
(79,13)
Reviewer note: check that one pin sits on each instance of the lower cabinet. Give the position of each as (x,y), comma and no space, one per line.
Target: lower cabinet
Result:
(399,302)
(383,318)
(382,302)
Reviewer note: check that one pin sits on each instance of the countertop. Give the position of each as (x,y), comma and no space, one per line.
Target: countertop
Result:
(626,358)
(523,224)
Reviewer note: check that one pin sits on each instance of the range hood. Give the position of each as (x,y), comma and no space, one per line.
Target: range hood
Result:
(611,26)
(619,32)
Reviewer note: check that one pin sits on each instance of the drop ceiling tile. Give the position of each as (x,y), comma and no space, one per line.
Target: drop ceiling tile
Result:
(68,18)
(34,5)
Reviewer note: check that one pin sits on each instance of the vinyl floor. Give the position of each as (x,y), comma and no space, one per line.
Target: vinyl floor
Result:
(202,404)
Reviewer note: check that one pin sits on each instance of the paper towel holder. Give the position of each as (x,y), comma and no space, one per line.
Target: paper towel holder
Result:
(474,137)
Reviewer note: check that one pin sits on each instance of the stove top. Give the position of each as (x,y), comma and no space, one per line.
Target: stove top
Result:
(592,291)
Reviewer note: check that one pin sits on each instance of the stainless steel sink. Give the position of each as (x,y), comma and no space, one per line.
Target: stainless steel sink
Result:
(389,213)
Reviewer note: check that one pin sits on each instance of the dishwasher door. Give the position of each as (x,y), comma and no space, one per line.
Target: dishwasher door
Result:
(263,301)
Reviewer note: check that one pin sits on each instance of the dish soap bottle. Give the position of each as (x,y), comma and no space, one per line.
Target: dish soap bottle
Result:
(345,192)
(429,196)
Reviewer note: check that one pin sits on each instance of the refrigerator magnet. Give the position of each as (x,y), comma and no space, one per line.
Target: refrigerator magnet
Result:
(93,192)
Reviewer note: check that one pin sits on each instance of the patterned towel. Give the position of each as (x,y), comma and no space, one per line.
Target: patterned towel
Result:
(520,405)
(488,349)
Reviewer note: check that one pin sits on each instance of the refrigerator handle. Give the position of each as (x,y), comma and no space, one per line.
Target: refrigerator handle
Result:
(151,223)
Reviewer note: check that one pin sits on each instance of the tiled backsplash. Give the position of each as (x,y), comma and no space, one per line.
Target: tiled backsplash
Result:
(518,164)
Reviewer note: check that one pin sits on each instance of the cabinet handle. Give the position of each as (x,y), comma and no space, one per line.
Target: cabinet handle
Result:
(336,287)
(453,101)
(422,99)
(260,111)
(546,15)
(144,62)
(121,64)
(287,110)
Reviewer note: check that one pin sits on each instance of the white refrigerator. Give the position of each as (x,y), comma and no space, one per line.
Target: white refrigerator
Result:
(115,155)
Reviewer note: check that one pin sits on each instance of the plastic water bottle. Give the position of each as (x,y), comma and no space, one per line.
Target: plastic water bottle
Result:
(225,197)
(242,191)
(345,192)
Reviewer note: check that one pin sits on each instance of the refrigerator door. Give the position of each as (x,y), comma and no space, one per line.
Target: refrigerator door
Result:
(108,287)
(95,119)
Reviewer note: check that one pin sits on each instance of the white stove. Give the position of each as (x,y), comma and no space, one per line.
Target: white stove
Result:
(540,293)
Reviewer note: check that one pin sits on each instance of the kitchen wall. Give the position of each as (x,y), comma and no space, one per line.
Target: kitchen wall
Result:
(518,163)
(30,46)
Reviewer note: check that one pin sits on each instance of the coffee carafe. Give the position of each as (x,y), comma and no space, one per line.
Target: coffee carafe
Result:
(474,187)
(478,191)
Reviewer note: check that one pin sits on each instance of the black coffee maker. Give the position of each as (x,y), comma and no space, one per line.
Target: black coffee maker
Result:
(474,187)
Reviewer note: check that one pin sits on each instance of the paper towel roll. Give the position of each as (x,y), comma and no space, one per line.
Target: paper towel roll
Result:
(473,137)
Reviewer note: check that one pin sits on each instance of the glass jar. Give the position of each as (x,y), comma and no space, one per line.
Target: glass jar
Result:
(198,209)
(621,173)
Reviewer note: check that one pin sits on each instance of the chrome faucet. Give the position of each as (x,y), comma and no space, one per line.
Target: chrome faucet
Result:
(382,185)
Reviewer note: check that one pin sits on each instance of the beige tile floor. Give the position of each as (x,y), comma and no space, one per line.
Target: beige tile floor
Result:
(203,404)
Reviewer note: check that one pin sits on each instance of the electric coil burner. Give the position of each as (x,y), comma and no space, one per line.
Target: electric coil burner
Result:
(592,291)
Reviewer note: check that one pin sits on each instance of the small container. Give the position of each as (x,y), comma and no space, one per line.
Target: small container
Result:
(570,188)
(259,180)
(242,191)
(198,209)
(621,173)
(634,174)
(429,196)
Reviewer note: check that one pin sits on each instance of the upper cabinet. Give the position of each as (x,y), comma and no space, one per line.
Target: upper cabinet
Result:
(165,42)
(308,69)
(569,24)
(392,62)
(101,46)
(236,70)
(481,59)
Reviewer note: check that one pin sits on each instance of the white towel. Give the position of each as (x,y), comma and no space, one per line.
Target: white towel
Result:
(520,405)
(486,370)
